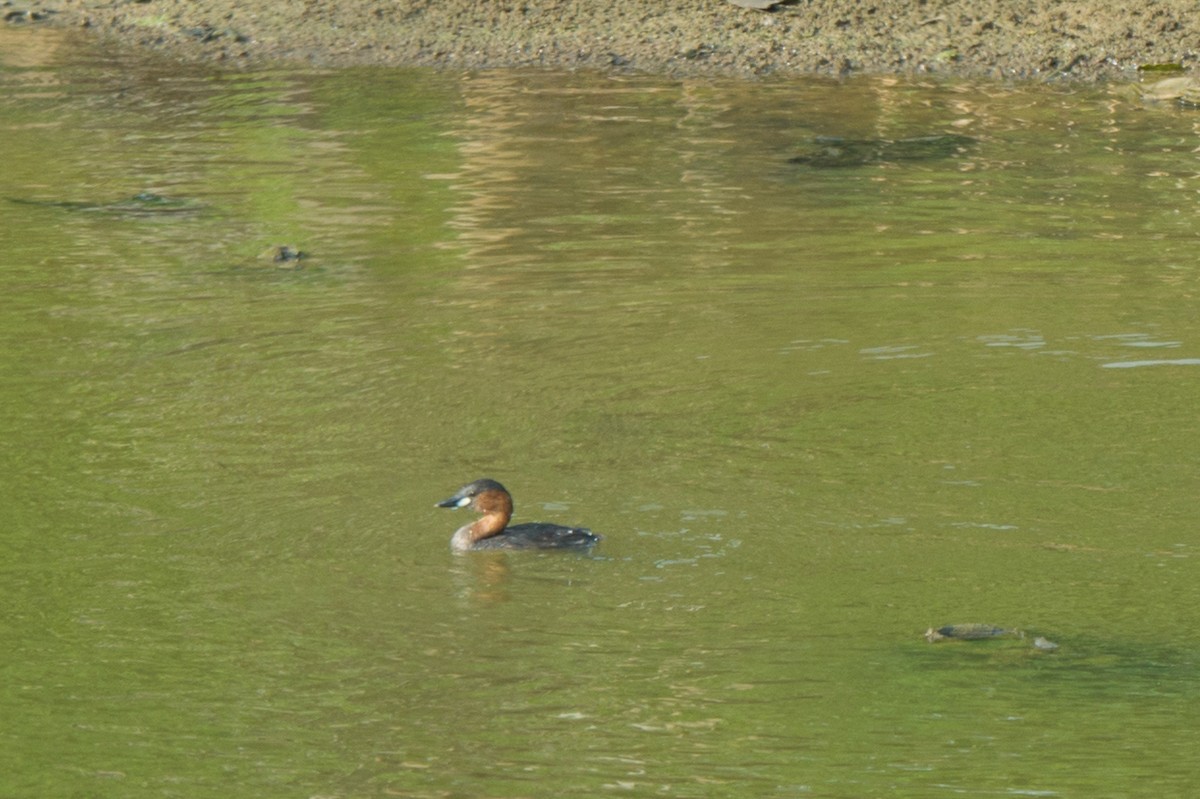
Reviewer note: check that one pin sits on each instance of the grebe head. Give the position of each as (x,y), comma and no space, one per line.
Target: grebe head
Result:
(482,496)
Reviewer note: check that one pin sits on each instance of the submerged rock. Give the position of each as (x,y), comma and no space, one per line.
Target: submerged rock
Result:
(980,632)
(1185,91)
(834,151)
(970,632)
(141,204)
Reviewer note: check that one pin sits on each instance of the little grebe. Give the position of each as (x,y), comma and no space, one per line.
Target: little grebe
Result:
(492,531)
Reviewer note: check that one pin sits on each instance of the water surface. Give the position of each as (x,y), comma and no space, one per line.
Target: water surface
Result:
(813,411)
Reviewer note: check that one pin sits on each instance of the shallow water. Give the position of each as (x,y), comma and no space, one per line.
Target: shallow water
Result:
(814,411)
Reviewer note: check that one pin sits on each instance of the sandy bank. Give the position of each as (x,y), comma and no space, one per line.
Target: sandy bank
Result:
(1024,38)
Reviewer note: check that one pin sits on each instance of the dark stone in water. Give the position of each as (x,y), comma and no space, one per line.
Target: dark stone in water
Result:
(284,254)
(826,152)
(29,14)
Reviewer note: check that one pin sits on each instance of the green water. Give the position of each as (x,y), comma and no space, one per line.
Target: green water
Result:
(813,411)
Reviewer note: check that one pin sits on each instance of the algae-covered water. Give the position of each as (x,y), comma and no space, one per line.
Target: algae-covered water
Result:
(813,409)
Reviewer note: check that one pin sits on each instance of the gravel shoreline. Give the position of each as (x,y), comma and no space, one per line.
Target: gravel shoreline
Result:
(997,38)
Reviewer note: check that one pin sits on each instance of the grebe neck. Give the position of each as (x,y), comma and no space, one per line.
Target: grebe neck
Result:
(484,527)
